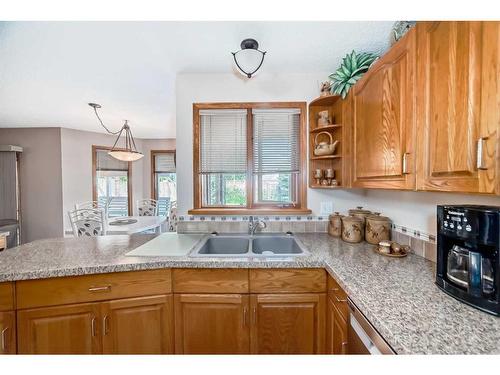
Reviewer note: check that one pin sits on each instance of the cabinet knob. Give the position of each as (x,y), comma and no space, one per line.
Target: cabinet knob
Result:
(405,163)
(105,324)
(93,326)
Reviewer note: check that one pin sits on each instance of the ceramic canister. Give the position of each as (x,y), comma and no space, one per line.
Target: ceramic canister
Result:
(352,229)
(359,212)
(335,225)
(377,228)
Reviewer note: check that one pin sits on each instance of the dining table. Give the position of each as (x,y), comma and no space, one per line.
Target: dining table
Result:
(134,224)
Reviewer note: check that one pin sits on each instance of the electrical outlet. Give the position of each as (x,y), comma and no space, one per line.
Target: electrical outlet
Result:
(326,208)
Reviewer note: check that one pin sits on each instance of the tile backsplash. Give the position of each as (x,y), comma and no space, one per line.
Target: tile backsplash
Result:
(421,244)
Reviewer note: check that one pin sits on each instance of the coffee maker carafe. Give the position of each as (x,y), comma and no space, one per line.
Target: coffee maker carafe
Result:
(468,255)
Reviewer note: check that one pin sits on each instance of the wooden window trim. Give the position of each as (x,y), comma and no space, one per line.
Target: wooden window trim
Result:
(94,176)
(153,168)
(251,208)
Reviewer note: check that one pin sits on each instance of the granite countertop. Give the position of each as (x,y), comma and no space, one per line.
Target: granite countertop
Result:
(398,296)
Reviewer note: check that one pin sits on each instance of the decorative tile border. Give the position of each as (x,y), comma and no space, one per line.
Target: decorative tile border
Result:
(414,233)
(246,218)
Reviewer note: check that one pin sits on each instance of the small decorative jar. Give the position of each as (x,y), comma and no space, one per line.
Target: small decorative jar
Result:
(335,225)
(352,229)
(377,228)
(359,212)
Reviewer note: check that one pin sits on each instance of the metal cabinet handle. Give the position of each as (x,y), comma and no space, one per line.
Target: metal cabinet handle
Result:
(245,313)
(339,300)
(105,288)
(254,315)
(405,163)
(4,339)
(480,146)
(105,324)
(93,326)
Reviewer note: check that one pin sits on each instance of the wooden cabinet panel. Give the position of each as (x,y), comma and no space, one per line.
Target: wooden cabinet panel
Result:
(6,296)
(288,323)
(8,332)
(338,297)
(210,280)
(339,331)
(71,329)
(90,288)
(291,280)
(383,120)
(141,325)
(211,324)
(451,75)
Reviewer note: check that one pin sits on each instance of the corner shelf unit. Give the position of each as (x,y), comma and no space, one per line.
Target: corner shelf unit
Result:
(336,110)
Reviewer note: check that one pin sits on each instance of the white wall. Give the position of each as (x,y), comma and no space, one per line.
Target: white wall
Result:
(40,179)
(76,146)
(415,210)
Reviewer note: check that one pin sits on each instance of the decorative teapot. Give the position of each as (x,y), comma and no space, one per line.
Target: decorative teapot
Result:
(324,148)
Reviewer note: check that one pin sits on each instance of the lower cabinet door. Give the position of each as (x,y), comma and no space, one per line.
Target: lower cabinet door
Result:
(8,332)
(69,329)
(142,325)
(336,330)
(287,323)
(211,324)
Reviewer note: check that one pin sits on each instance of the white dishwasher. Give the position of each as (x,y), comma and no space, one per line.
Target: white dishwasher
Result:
(362,337)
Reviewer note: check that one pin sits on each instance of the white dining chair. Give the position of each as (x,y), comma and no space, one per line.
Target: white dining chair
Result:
(147,207)
(102,203)
(89,222)
(172,217)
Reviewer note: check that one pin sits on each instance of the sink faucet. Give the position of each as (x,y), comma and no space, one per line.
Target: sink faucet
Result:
(254,225)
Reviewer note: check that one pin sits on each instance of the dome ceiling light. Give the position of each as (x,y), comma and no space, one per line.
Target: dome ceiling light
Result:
(129,153)
(249,58)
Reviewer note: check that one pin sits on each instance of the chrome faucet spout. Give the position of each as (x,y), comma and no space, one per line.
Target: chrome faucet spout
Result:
(254,225)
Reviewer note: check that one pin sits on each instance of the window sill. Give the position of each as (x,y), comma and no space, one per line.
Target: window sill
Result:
(250,211)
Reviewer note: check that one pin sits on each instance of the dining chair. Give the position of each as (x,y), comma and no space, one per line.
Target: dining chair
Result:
(172,217)
(147,207)
(102,203)
(88,222)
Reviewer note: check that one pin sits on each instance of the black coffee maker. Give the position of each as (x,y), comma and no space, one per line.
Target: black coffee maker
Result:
(468,245)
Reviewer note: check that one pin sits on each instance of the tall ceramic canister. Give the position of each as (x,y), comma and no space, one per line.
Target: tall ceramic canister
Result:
(359,212)
(352,229)
(335,225)
(377,228)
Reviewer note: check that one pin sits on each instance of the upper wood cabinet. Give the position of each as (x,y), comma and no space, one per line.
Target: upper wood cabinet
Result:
(288,323)
(458,101)
(211,324)
(142,325)
(383,122)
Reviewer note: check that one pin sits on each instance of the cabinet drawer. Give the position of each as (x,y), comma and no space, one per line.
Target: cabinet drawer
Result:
(90,288)
(6,296)
(210,280)
(338,296)
(291,280)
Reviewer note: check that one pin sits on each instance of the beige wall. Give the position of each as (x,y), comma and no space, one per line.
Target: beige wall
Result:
(77,166)
(41,180)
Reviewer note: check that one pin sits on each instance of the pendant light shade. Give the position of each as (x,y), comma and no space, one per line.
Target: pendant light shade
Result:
(129,153)
(249,58)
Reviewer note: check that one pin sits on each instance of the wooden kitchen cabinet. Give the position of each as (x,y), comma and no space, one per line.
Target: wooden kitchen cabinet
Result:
(383,121)
(458,110)
(8,332)
(288,323)
(336,330)
(70,329)
(211,324)
(142,325)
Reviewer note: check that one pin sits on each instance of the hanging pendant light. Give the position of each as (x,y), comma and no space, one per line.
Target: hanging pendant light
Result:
(129,153)
(249,58)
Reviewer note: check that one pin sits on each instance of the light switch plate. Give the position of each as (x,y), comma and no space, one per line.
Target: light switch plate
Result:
(326,208)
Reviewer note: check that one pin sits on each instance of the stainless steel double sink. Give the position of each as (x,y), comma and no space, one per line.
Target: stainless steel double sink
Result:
(267,245)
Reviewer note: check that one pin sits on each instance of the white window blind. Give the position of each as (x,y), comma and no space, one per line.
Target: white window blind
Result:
(223,141)
(165,162)
(276,143)
(105,162)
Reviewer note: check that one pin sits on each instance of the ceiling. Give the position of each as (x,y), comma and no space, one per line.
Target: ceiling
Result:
(50,70)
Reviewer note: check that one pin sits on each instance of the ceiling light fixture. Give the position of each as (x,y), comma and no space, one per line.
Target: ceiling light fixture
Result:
(249,58)
(130,152)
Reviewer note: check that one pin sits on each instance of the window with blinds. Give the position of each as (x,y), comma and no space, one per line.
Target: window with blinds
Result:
(164,180)
(276,154)
(223,157)
(249,155)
